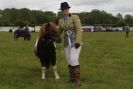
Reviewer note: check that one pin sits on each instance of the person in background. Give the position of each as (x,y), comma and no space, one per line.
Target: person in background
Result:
(127,31)
(27,28)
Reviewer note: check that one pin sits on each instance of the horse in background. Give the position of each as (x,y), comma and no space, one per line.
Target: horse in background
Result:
(45,48)
(20,32)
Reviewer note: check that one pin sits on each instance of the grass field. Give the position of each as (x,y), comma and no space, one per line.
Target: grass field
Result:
(106,62)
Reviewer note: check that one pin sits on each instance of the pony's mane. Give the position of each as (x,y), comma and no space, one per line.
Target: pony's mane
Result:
(47,26)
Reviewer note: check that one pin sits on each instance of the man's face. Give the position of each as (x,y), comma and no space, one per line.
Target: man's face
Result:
(65,11)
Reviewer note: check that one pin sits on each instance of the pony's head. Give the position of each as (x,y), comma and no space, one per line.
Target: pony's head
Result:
(48,30)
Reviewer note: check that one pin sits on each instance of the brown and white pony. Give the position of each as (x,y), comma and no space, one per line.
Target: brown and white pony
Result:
(45,48)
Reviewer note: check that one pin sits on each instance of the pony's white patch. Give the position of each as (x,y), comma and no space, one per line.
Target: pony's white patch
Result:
(35,47)
(43,72)
(54,44)
(55,72)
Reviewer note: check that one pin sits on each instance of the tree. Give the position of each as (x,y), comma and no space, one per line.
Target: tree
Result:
(128,19)
(13,16)
(119,16)
(97,17)
(59,15)
(84,18)
(20,23)
(120,23)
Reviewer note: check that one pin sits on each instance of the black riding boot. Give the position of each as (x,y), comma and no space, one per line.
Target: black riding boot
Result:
(76,73)
(71,75)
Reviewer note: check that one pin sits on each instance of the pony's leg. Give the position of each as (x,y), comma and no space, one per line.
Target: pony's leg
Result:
(14,37)
(28,38)
(55,72)
(43,72)
(24,38)
(17,38)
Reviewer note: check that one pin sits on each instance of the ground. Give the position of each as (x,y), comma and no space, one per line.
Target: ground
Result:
(106,62)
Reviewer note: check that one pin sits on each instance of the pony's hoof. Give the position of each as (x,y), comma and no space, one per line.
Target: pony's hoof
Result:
(57,77)
(43,78)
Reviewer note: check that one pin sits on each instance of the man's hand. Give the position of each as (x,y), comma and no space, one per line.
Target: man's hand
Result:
(77,45)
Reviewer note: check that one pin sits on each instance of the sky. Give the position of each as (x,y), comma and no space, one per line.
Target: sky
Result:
(110,6)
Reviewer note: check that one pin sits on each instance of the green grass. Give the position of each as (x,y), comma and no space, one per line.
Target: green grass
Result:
(106,62)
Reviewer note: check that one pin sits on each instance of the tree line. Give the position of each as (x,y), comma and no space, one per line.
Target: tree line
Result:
(24,16)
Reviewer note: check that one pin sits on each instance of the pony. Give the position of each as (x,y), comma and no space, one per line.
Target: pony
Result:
(45,48)
(22,33)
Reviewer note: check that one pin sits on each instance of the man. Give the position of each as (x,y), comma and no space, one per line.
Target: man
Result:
(27,28)
(70,25)
(127,31)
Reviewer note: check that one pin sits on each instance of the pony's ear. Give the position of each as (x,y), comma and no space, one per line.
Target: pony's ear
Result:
(48,24)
